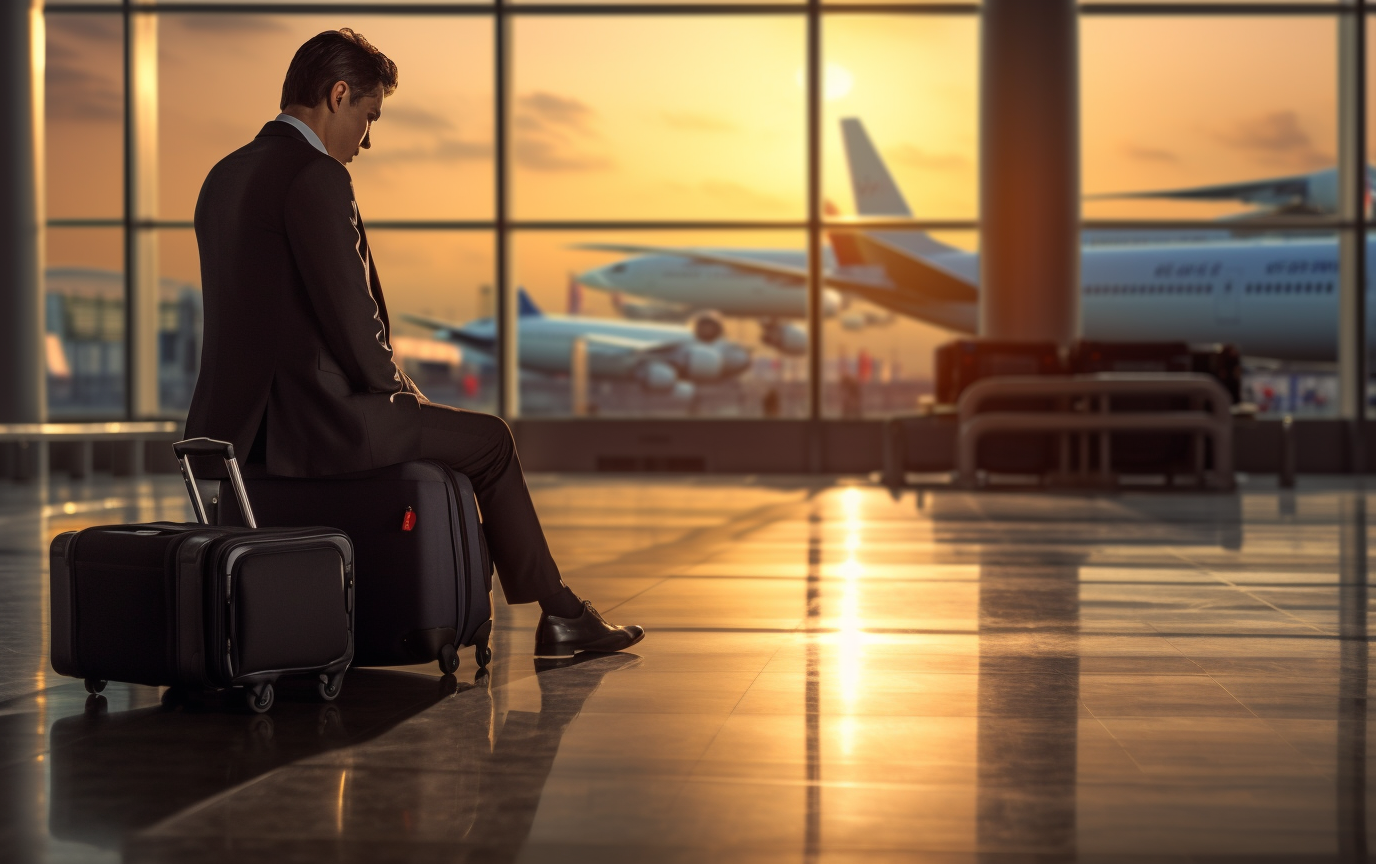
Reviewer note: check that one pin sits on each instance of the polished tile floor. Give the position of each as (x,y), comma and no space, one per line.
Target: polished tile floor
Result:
(830,675)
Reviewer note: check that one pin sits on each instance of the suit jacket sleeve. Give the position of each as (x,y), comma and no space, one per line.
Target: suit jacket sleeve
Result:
(322,229)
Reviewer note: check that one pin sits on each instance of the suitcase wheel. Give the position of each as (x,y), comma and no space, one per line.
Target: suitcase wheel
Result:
(483,655)
(449,659)
(259,698)
(329,686)
(95,685)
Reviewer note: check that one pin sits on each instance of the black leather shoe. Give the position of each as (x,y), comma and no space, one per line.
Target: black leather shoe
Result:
(564,637)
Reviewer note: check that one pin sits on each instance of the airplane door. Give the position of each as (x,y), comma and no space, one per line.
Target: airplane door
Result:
(1227,301)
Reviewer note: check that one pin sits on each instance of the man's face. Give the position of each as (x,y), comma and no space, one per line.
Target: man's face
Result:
(355,120)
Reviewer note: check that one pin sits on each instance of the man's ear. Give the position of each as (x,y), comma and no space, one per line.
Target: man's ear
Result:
(338,93)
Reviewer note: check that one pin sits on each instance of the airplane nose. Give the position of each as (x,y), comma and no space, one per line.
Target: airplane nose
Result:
(595,278)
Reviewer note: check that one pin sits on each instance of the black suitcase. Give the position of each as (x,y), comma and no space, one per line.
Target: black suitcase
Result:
(424,577)
(202,606)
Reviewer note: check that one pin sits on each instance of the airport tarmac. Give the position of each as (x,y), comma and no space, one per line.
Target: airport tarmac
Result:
(830,674)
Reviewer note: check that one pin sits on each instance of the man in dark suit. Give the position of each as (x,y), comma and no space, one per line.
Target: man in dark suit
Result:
(296,366)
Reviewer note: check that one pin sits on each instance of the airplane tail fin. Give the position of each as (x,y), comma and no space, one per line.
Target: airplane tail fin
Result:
(525,307)
(870,181)
(876,193)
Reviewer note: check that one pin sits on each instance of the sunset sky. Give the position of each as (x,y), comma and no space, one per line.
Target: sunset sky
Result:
(677,118)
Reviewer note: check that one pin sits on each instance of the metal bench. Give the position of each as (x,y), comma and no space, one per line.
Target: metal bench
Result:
(24,446)
(1088,401)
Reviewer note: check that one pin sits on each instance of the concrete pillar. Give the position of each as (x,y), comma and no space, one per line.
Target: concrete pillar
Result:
(1353,320)
(23,379)
(1029,171)
(141,205)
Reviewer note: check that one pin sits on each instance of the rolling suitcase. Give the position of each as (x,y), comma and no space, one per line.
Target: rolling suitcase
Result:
(424,577)
(203,606)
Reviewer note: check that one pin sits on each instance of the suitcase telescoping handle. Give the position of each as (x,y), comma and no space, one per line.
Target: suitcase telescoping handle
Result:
(210,447)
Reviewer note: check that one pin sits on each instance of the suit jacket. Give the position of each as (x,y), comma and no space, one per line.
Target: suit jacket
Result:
(295,322)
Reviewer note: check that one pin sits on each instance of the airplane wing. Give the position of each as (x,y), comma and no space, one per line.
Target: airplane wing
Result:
(452,331)
(596,341)
(1275,190)
(941,284)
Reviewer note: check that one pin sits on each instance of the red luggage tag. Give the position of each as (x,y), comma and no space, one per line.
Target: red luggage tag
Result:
(408,519)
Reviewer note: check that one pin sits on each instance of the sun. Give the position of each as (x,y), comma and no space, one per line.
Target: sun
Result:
(837,82)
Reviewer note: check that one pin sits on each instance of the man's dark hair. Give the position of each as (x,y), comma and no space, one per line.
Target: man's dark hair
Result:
(337,55)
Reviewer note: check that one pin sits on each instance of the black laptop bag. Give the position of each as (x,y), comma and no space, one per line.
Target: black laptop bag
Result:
(203,606)
(423,572)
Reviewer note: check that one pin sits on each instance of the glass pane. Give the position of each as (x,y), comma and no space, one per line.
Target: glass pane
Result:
(85,116)
(1206,117)
(437,283)
(910,86)
(677,117)
(84,312)
(432,149)
(879,344)
(672,324)
(179,319)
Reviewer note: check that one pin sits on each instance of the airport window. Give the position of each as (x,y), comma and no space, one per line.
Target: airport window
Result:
(692,151)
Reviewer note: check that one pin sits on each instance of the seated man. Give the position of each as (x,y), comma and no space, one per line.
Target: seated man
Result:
(297,368)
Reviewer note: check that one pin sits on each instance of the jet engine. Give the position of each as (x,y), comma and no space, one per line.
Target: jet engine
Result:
(735,359)
(787,339)
(708,327)
(657,376)
(700,363)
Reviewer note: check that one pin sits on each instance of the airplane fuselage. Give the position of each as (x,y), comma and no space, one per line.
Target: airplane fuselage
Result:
(545,342)
(1271,298)
(695,286)
(1274,298)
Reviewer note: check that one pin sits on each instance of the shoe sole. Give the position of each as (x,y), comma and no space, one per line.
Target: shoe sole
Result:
(561,653)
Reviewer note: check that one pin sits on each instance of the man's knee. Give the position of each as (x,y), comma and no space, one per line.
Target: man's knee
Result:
(496,430)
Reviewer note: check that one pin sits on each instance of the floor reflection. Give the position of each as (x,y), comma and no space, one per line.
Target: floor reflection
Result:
(462,781)
(1029,691)
(113,774)
(1352,680)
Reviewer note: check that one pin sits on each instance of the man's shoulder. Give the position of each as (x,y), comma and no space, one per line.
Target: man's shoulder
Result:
(275,155)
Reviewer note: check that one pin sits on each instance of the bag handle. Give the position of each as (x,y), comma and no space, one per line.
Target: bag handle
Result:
(210,447)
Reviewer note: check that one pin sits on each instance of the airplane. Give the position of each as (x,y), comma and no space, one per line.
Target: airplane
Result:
(1274,296)
(663,358)
(744,283)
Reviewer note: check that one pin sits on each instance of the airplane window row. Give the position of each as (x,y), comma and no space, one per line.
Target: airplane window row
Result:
(1183,288)
(1290,288)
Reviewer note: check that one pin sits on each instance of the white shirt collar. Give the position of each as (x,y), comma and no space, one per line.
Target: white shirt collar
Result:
(311,138)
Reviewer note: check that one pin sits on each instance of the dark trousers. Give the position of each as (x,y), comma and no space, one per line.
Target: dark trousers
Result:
(480,447)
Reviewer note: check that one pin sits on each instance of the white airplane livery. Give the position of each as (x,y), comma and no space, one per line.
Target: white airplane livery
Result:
(1274,297)
(664,358)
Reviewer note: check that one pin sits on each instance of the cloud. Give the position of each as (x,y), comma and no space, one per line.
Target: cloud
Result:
(102,28)
(553,110)
(219,23)
(742,196)
(690,122)
(553,132)
(926,159)
(74,92)
(1277,139)
(1150,154)
(543,155)
(443,149)
(416,117)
